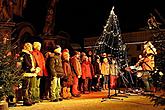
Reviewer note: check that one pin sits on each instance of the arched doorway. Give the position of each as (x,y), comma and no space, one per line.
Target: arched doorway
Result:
(22,32)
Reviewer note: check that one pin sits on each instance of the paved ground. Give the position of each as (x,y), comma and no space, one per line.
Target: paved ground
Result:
(94,101)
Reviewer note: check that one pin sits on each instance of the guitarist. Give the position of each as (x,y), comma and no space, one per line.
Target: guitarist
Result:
(148,63)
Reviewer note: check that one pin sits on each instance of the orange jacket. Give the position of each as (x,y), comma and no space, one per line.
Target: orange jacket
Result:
(75,62)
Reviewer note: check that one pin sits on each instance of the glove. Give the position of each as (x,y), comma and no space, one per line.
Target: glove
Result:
(38,69)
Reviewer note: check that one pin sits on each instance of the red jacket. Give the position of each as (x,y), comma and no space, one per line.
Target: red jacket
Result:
(86,70)
(40,62)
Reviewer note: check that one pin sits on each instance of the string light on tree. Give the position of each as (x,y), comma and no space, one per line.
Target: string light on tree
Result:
(110,41)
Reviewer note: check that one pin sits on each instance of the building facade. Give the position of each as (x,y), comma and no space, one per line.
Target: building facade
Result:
(134,42)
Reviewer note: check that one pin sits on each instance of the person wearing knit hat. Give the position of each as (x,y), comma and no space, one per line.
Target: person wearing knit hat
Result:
(56,71)
(65,54)
(57,49)
(68,80)
(65,50)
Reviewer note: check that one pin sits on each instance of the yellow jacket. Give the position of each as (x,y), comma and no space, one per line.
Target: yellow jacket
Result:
(105,69)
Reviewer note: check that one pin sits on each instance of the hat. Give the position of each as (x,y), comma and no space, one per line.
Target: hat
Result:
(57,46)
(97,57)
(65,50)
(57,49)
(65,55)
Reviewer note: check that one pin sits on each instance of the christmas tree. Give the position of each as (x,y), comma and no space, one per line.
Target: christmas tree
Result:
(9,71)
(111,41)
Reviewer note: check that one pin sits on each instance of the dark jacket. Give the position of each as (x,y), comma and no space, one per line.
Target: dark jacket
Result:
(55,66)
(26,62)
(97,69)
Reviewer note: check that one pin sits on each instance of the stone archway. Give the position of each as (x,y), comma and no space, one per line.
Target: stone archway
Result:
(22,33)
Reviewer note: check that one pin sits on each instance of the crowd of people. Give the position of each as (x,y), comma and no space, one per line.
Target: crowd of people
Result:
(56,75)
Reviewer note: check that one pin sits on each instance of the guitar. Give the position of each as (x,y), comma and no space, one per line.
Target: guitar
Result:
(135,69)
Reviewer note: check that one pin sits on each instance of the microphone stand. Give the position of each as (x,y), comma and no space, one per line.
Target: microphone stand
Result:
(116,95)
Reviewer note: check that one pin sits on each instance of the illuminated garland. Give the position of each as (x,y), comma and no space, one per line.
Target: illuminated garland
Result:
(111,42)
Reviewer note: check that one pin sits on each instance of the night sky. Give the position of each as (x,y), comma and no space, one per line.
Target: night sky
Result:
(85,18)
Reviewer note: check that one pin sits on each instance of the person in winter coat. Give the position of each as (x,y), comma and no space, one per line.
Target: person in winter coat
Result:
(68,79)
(40,62)
(105,70)
(29,73)
(97,71)
(86,75)
(113,74)
(76,68)
(56,71)
(92,73)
